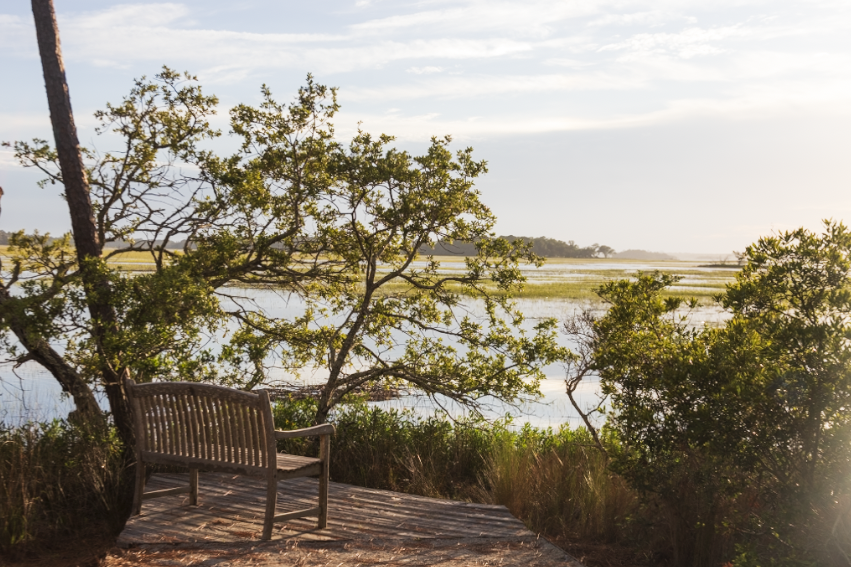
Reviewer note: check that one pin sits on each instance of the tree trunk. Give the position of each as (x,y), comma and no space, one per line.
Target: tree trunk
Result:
(65,132)
(40,351)
(88,246)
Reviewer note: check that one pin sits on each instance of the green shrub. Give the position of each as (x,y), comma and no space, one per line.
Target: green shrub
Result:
(395,450)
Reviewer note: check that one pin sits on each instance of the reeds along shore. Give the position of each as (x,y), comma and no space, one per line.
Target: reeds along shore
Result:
(62,487)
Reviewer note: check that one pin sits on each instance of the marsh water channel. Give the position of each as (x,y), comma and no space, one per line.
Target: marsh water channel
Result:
(559,290)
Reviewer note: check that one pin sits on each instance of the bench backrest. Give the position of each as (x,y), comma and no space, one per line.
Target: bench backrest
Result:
(202,424)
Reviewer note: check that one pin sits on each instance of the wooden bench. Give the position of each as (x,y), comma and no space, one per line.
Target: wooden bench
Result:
(212,428)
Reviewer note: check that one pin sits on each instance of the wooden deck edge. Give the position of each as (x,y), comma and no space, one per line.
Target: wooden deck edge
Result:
(288,540)
(276,545)
(235,549)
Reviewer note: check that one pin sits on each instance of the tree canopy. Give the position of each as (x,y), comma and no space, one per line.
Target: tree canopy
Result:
(336,228)
(745,426)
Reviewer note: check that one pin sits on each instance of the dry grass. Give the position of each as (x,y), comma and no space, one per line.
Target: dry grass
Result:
(59,485)
(565,491)
(556,482)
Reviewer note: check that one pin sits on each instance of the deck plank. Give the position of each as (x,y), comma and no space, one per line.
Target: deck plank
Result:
(387,527)
(231,510)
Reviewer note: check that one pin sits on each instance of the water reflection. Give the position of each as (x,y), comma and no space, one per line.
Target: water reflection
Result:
(31,393)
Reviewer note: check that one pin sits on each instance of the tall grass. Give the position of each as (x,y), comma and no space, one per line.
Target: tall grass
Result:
(393,450)
(557,482)
(60,485)
(58,481)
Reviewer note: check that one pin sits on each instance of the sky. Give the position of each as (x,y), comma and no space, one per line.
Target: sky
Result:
(675,126)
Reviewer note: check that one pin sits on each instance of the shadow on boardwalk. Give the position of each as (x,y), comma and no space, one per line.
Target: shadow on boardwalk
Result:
(365,527)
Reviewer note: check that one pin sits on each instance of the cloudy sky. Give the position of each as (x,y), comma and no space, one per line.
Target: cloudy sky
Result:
(674,126)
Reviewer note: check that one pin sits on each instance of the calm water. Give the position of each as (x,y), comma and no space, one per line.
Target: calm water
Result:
(29,392)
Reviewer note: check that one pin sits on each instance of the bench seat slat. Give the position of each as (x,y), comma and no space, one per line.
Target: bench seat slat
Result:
(285,462)
(204,464)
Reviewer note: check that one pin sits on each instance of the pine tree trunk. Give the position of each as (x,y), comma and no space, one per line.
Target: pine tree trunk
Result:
(86,240)
(65,131)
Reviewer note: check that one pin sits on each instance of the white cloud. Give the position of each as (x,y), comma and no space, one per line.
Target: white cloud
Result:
(753,51)
(124,15)
(652,18)
(7,159)
(566,62)
(531,18)
(9,20)
(744,107)
(17,36)
(424,70)
(685,44)
(23,121)
(152,32)
(109,63)
(489,85)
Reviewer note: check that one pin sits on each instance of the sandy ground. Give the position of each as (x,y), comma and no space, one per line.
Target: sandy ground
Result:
(528,552)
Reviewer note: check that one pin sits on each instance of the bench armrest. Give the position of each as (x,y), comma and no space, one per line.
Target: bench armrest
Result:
(324,429)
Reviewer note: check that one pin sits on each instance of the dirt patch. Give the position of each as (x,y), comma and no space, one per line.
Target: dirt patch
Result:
(86,551)
(606,554)
(530,552)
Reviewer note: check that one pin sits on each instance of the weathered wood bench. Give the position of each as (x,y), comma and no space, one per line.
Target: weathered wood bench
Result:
(212,428)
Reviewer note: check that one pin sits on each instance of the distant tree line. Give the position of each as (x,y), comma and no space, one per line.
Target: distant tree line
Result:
(542,246)
(170,245)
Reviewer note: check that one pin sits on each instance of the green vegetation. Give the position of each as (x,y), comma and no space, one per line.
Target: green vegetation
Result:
(541,245)
(743,432)
(66,487)
(557,482)
(338,226)
(62,485)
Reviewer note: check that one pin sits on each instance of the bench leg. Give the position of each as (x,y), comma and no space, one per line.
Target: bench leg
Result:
(325,455)
(193,487)
(140,487)
(271,504)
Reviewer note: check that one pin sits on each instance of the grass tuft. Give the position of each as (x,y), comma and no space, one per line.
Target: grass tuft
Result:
(61,484)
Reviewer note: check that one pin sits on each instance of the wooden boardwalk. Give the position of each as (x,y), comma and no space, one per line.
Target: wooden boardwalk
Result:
(230,515)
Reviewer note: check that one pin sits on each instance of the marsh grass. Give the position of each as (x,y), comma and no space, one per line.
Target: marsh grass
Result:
(60,484)
(559,484)
(65,489)
(556,280)
(569,278)
(556,482)
(583,289)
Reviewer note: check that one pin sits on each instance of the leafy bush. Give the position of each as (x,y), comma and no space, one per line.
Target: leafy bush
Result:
(395,450)
(744,431)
